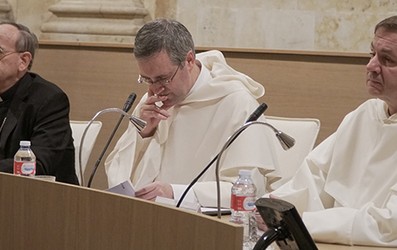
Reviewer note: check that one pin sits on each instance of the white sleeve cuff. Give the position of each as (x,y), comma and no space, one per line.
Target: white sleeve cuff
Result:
(190,198)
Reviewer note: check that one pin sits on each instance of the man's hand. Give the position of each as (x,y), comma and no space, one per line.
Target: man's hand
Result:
(157,188)
(152,113)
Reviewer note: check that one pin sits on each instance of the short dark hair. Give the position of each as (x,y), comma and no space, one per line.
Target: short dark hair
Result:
(164,35)
(389,24)
(27,40)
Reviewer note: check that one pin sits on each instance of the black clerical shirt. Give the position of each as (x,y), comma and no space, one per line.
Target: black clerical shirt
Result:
(5,100)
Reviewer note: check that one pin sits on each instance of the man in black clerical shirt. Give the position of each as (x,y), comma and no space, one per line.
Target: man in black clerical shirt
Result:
(32,109)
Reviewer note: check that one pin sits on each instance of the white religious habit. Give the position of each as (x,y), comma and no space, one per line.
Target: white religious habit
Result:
(218,104)
(347,187)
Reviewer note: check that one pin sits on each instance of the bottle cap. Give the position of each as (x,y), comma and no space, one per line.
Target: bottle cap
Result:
(244,172)
(24,143)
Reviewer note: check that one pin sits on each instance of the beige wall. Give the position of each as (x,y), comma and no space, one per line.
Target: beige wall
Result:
(321,86)
(327,25)
(31,13)
(302,91)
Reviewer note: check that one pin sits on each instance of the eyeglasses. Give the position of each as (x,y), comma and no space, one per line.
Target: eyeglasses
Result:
(4,54)
(148,81)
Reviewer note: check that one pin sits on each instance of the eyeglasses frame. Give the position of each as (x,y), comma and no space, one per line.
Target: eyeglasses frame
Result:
(146,81)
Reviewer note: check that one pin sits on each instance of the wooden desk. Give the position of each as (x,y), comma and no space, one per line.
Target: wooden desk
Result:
(52,215)
(342,247)
(323,246)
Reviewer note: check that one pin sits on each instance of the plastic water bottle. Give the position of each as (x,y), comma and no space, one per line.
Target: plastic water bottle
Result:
(243,206)
(25,160)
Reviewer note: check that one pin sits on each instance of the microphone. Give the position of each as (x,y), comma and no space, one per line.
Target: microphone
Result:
(285,141)
(137,122)
(257,113)
(127,106)
(254,116)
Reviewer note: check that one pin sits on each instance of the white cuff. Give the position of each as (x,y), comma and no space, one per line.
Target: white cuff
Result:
(190,197)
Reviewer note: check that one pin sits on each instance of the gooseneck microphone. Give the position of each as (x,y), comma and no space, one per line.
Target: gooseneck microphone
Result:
(253,117)
(127,106)
(138,123)
(285,141)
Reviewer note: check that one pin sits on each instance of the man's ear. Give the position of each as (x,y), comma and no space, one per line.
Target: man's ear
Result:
(190,58)
(24,60)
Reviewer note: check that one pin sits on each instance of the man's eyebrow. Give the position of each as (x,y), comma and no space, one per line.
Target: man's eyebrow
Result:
(160,77)
(390,40)
(148,79)
(383,49)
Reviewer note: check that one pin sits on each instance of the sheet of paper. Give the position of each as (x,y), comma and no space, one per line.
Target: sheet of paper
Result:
(187,205)
(214,211)
(124,188)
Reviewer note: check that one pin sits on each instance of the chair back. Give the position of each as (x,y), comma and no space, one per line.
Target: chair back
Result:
(78,128)
(304,131)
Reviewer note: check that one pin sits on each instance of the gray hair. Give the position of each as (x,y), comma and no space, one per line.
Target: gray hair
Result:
(27,41)
(389,24)
(164,35)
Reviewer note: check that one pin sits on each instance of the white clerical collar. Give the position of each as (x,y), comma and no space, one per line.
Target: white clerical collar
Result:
(203,78)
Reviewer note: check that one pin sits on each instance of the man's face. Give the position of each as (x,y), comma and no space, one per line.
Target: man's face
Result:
(382,67)
(10,59)
(158,68)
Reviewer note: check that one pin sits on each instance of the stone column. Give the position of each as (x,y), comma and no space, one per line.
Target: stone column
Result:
(94,21)
(5,11)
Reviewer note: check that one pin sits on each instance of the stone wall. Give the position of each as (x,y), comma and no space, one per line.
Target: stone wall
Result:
(327,25)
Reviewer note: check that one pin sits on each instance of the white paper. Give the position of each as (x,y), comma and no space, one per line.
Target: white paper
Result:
(214,211)
(171,202)
(124,188)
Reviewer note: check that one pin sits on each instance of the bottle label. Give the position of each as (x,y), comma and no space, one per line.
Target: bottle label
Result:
(24,168)
(242,203)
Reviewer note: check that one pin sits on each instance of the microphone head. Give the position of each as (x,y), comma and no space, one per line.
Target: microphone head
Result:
(138,123)
(130,100)
(257,113)
(286,141)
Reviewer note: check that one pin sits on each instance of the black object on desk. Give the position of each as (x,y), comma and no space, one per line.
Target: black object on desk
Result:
(284,224)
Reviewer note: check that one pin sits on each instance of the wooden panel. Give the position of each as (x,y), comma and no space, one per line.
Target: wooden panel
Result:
(94,79)
(36,214)
(325,86)
(299,85)
(43,215)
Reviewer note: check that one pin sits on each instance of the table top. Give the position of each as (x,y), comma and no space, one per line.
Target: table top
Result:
(322,246)
(325,246)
